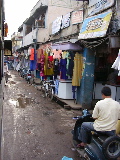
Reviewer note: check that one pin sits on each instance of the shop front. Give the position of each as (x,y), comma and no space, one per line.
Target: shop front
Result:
(70,69)
(105,74)
(62,63)
(98,59)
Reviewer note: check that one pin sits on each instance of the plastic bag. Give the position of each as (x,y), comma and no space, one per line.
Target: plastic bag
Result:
(66,158)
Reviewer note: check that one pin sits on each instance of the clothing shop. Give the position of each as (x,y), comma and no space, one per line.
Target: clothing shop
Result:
(63,63)
(94,36)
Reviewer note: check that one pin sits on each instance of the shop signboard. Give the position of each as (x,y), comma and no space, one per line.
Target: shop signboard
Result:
(65,21)
(7,48)
(99,5)
(95,26)
(77,17)
(56,25)
(18,38)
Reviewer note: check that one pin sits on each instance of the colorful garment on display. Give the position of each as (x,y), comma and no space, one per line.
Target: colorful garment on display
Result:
(32,51)
(57,53)
(39,53)
(38,66)
(63,74)
(77,71)
(56,86)
(50,61)
(64,54)
(116,64)
(47,70)
(70,64)
(56,67)
(42,60)
(33,63)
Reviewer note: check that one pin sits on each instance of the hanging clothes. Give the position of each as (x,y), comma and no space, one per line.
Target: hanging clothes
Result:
(63,63)
(42,60)
(50,62)
(38,67)
(39,53)
(47,70)
(57,53)
(56,68)
(32,52)
(70,63)
(77,71)
(64,54)
(33,63)
(116,64)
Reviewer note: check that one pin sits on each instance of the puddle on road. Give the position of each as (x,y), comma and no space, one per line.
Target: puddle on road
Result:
(12,82)
(21,102)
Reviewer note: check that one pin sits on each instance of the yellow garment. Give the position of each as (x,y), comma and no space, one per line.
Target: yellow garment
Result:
(47,71)
(77,71)
(118,127)
(64,54)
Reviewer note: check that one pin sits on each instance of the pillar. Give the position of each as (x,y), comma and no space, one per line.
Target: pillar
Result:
(85,91)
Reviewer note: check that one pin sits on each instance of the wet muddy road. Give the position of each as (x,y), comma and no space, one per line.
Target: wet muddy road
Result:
(34,128)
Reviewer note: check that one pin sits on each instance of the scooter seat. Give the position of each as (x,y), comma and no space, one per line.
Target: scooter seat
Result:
(100,136)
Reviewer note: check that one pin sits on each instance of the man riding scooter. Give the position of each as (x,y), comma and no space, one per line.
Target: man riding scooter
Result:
(106,114)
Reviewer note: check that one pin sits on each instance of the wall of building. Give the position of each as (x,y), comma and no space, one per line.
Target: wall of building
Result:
(65,3)
(52,13)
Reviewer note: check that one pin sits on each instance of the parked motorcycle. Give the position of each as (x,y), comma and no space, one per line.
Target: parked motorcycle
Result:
(28,76)
(100,147)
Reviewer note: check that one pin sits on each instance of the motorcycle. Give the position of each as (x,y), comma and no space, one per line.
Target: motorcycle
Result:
(100,146)
(28,76)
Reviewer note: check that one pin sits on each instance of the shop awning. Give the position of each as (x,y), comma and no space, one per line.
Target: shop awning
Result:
(95,26)
(67,46)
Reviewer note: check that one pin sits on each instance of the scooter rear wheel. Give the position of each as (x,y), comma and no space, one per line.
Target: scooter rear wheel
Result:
(111,147)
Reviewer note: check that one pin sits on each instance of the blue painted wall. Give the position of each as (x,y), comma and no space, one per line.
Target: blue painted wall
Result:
(85,91)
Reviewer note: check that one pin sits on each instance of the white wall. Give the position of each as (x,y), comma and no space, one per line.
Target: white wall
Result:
(28,39)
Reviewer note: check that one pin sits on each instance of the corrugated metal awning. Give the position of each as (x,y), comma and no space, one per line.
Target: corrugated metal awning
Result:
(66,46)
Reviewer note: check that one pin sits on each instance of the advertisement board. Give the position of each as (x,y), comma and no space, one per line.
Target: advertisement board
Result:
(95,26)
(7,48)
(99,5)
(77,17)
(56,25)
(65,21)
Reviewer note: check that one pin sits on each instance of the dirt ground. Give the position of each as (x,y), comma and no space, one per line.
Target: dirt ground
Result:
(34,128)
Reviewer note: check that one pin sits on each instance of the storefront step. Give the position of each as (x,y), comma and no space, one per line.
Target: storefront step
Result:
(68,103)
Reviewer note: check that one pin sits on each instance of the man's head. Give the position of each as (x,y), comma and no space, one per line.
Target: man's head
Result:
(106,92)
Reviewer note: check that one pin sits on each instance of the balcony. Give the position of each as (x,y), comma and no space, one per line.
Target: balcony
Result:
(28,39)
(39,7)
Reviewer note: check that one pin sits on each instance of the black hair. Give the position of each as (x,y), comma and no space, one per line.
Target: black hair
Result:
(106,91)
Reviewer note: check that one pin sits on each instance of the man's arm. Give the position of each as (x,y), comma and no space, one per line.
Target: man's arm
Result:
(95,114)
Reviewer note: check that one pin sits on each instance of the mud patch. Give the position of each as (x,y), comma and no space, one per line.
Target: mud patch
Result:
(21,95)
(23,102)
(12,82)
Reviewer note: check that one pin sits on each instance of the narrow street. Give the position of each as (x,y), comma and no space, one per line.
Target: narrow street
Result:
(34,128)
